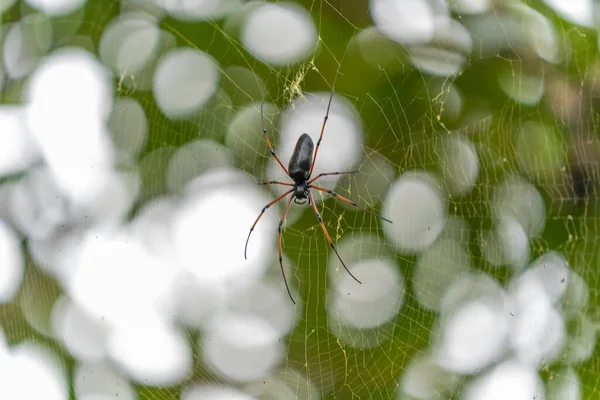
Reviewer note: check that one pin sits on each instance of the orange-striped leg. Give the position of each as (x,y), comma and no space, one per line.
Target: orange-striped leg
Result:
(337,196)
(275,183)
(261,214)
(331,173)
(312,203)
(262,120)
(321,135)
(280,248)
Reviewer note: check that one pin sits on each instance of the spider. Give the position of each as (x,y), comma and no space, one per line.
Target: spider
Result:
(300,169)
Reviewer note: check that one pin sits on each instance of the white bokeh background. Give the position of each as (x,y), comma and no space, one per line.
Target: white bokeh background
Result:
(144,288)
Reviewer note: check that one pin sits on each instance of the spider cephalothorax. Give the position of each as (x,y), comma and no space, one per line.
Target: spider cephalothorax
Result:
(300,168)
(300,193)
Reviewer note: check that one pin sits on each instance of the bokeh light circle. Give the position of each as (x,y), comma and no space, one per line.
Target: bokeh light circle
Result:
(279,33)
(184,80)
(414,203)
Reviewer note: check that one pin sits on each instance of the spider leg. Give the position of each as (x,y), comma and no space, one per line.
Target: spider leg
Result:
(321,136)
(337,196)
(262,120)
(279,247)
(261,214)
(312,203)
(275,183)
(331,173)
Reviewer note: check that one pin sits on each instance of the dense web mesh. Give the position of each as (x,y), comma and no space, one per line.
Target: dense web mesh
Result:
(133,145)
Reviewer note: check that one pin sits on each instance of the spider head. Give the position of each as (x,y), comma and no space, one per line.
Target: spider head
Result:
(300,192)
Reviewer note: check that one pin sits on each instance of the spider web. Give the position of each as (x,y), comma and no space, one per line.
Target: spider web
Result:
(484,155)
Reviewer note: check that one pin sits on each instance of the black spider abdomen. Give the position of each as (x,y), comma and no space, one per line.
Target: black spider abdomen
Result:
(301,159)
